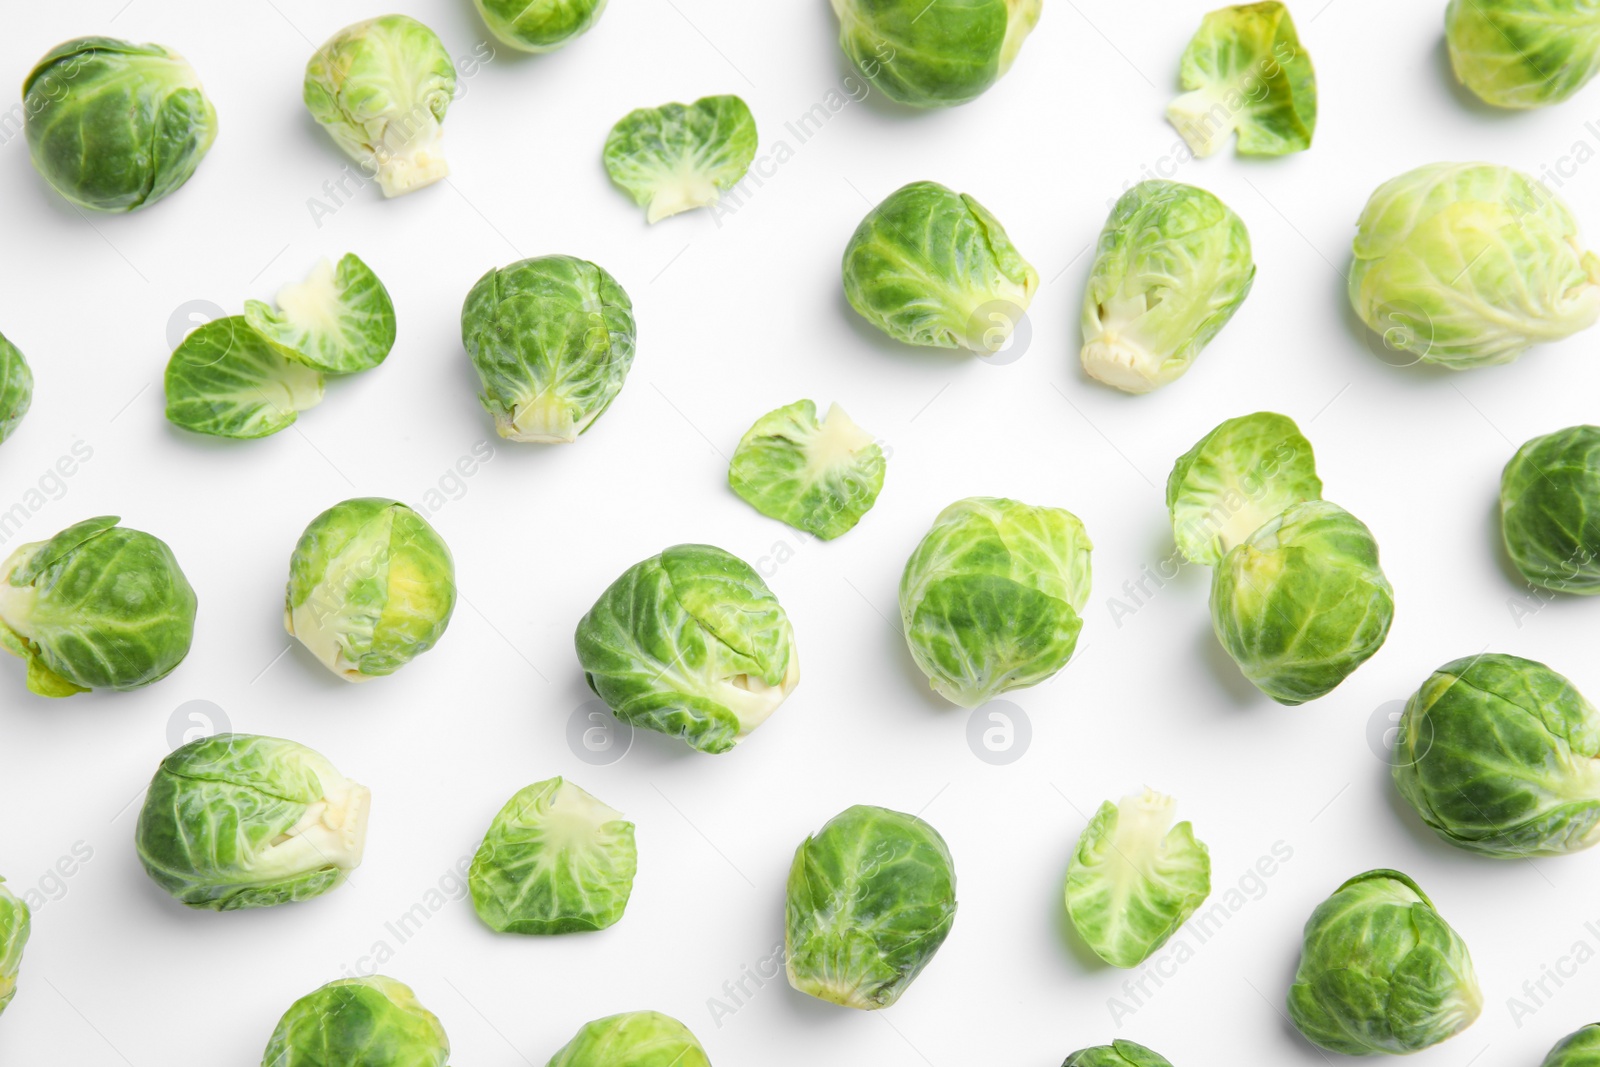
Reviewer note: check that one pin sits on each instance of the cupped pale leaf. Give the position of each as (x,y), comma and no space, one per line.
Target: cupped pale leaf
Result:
(934,55)
(677,157)
(1117,1054)
(358,1022)
(1550,510)
(1246,71)
(632,1039)
(820,477)
(1581,1048)
(1523,53)
(225,380)
(16,387)
(539,25)
(15,922)
(336,321)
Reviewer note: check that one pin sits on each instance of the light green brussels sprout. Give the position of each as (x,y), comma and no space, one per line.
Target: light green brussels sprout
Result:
(555,860)
(16,387)
(381,89)
(992,598)
(371,587)
(1302,603)
(934,55)
(1523,53)
(1172,266)
(358,1022)
(1550,510)
(1381,972)
(1245,71)
(871,897)
(690,643)
(539,25)
(1498,755)
(98,606)
(632,1039)
(1117,1054)
(236,821)
(552,340)
(677,157)
(931,267)
(226,380)
(820,477)
(15,922)
(1581,1048)
(338,322)
(1135,877)
(115,126)
(1469,265)
(1241,474)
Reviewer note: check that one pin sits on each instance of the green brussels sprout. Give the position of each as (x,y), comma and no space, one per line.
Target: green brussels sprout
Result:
(552,340)
(15,922)
(371,587)
(992,598)
(934,55)
(226,380)
(381,89)
(1246,71)
(1302,603)
(1135,877)
(115,126)
(820,477)
(236,821)
(358,1022)
(1172,266)
(1581,1048)
(555,860)
(931,267)
(539,25)
(690,643)
(1117,1054)
(338,322)
(1237,477)
(1470,264)
(632,1039)
(16,387)
(1550,510)
(677,157)
(1523,53)
(98,606)
(1497,754)
(871,897)
(1381,972)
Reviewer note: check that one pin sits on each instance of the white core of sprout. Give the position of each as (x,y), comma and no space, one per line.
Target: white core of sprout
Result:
(575,818)
(332,832)
(751,699)
(837,441)
(326,618)
(683,188)
(313,305)
(414,162)
(1143,822)
(17,601)
(1204,119)
(1118,359)
(542,420)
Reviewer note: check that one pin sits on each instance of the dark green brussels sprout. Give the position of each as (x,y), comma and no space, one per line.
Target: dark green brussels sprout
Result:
(632,1039)
(539,25)
(115,126)
(934,55)
(98,606)
(1381,972)
(1523,53)
(1117,1054)
(1581,1048)
(16,387)
(239,821)
(677,157)
(1550,510)
(820,477)
(1246,71)
(14,926)
(1499,755)
(358,1022)
(871,898)
(226,380)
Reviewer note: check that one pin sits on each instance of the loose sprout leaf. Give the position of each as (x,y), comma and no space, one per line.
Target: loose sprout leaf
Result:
(678,157)
(1234,479)
(1523,53)
(225,380)
(1134,878)
(358,1022)
(1550,510)
(820,477)
(1246,71)
(539,25)
(16,387)
(337,322)
(1117,1054)
(1581,1048)
(632,1039)
(1172,266)
(934,55)
(15,922)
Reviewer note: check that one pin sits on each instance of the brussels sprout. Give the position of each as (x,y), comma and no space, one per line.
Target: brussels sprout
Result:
(632,1039)
(1135,877)
(1246,71)
(336,322)
(1238,476)
(381,89)
(16,387)
(992,597)
(1470,264)
(1381,972)
(1498,755)
(371,588)
(677,157)
(552,339)
(691,643)
(98,606)
(930,267)
(1580,1048)
(1302,603)
(871,898)
(115,126)
(1172,267)
(1523,53)
(1550,510)
(14,926)
(934,55)
(1117,1054)
(555,860)
(817,477)
(238,821)
(358,1022)
(226,380)
(539,25)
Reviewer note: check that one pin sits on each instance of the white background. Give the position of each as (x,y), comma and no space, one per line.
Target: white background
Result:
(734,320)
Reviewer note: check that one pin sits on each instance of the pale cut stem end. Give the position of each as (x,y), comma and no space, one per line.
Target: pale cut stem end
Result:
(414,167)
(1120,364)
(1204,121)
